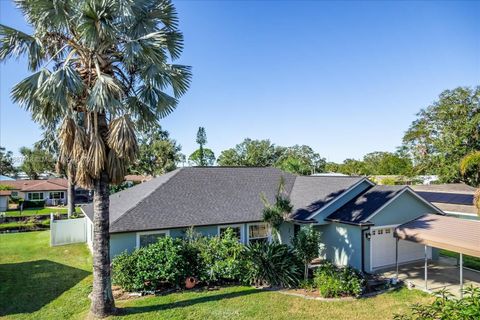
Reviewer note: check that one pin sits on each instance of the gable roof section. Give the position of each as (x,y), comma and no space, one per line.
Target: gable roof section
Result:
(56,184)
(361,209)
(313,193)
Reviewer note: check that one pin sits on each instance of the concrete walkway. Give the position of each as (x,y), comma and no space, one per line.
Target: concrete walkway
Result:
(443,273)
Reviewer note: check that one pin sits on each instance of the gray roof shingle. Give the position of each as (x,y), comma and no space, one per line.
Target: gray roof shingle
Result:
(311,193)
(196,196)
(357,210)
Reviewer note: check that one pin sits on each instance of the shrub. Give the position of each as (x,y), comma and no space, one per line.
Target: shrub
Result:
(306,245)
(149,268)
(222,258)
(335,282)
(33,204)
(273,264)
(446,307)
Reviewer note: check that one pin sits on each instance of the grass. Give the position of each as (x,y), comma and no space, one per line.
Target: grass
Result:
(468,261)
(43,282)
(37,211)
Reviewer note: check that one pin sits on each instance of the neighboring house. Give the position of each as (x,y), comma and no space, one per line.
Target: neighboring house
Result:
(136,178)
(53,191)
(4,196)
(5,178)
(455,199)
(356,217)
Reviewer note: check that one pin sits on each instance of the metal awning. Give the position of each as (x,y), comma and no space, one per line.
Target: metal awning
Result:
(449,233)
(454,234)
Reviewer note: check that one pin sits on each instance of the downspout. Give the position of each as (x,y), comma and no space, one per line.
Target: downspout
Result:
(363,248)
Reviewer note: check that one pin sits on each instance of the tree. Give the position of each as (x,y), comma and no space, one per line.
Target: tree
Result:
(300,160)
(251,153)
(275,214)
(307,246)
(6,162)
(470,168)
(158,154)
(202,156)
(36,161)
(445,132)
(387,163)
(207,159)
(102,67)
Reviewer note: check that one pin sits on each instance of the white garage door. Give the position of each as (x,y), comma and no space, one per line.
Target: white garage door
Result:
(383,248)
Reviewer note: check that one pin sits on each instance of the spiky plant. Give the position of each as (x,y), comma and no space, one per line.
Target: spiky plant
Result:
(275,214)
(101,69)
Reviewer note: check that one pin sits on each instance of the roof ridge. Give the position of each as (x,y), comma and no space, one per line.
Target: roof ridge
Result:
(173,174)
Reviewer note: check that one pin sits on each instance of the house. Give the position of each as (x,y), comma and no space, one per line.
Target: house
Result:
(455,199)
(52,191)
(356,218)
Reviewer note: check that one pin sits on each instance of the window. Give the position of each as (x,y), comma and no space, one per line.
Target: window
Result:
(147,238)
(57,195)
(380,231)
(35,196)
(237,230)
(258,232)
(387,230)
(14,194)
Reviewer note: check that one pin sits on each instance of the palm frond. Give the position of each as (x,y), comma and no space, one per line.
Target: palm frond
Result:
(96,156)
(15,43)
(46,14)
(117,167)
(82,177)
(66,136)
(105,95)
(80,143)
(121,138)
(60,86)
(470,162)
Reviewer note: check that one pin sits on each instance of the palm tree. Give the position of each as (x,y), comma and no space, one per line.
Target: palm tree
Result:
(276,214)
(104,67)
(471,163)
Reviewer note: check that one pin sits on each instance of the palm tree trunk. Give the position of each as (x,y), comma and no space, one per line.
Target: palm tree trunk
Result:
(102,297)
(70,197)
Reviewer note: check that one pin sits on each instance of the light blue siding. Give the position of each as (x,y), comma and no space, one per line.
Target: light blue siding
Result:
(341,244)
(120,242)
(340,202)
(286,233)
(405,208)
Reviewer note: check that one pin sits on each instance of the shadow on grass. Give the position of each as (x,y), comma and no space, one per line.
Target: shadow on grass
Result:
(184,303)
(28,286)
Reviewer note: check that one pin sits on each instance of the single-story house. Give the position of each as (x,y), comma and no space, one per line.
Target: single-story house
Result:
(356,218)
(455,199)
(53,191)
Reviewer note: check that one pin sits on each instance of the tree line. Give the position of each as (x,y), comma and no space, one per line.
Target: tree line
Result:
(444,140)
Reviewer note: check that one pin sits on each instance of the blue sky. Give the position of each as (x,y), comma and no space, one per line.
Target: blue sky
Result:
(346,78)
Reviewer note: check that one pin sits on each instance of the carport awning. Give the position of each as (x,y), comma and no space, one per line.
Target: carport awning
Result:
(454,234)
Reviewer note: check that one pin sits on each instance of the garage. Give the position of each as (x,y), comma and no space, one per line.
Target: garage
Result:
(382,243)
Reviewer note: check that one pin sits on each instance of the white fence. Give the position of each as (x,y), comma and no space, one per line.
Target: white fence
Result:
(67,231)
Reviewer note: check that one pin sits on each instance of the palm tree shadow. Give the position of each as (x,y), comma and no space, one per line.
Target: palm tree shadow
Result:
(26,287)
(184,303)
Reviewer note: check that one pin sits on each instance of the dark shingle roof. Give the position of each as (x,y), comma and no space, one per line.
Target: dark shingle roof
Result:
(311,193)
(214,195)
(357,210)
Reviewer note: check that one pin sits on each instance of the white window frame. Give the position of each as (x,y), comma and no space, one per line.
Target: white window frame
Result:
(137,244)
(61,195)
(269,232)
(241,226)
(29,196)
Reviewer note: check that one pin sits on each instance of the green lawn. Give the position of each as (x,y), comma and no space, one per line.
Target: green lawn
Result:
(40,282)
(38,211)
(468,261)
